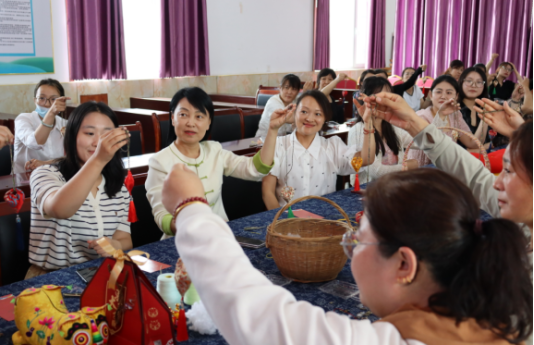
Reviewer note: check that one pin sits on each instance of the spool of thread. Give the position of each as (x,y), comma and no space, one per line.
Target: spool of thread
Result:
(167,289)
(191,296)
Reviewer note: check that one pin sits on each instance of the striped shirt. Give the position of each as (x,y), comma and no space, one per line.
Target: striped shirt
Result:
(59,243)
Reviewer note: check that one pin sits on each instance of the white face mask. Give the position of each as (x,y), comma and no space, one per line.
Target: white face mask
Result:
(41,110)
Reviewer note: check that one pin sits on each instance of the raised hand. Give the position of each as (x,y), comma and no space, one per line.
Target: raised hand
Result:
(179,185)
(282,116)
(449,107)
(503,119)
(494,56)
(394,109)
(110,143)
(423,67)
(360,107)
(6,137)
(59,105)
(342,76)
(525,83)
(307,86)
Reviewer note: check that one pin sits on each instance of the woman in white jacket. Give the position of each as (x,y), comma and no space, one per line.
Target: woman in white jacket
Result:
(390,141)
(444,278)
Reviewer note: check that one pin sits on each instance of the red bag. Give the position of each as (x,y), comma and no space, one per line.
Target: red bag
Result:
(136,313)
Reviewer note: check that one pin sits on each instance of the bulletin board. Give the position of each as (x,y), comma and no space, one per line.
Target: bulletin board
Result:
(26,44)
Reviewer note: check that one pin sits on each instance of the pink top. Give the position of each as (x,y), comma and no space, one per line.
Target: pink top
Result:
(455,120)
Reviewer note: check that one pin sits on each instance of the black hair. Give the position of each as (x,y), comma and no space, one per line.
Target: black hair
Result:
(482,267)
(521,149)
(456,64)
(198,99)
(50,82)
(292,80)
(321,99)
(447,79)
(69,165)
(371,86)
(407,68)
(372,71)
(323,73)
(481,66)
(483,93)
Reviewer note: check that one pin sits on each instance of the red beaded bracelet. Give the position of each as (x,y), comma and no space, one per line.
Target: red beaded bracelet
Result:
(187,201)
(365,131)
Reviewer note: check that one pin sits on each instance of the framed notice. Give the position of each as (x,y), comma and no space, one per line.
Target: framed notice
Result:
(26,45)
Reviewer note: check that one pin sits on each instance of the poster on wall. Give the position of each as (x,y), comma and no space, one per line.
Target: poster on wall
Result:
(26,45)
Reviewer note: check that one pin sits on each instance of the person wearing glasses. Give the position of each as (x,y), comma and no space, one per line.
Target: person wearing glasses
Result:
(473,86)
(499,87)
(444,278)
(39,134)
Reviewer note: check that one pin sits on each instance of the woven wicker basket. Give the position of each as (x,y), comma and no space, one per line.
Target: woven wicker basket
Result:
(316,255)
(469,134)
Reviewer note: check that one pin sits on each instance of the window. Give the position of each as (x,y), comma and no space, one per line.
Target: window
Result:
(142,38)
(349,34)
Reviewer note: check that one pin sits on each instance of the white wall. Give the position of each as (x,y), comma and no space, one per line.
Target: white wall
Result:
(61,60)
(391,9)
(251,36)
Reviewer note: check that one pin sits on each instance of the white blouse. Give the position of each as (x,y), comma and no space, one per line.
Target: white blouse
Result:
(377,169)
(26,147)
(311,171)
(246,307)
(213,163)
(274,103)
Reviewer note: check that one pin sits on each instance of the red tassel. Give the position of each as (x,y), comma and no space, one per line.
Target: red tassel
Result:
(356,184)
(181,332)
(132,214)
(129,183)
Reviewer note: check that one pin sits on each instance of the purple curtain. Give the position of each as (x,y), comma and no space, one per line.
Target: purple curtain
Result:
(529,57)
(184,38)
(469,30)
(376,56)
(96,39)
(321,42)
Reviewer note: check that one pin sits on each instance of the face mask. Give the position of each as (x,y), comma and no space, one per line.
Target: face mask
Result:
(41,110)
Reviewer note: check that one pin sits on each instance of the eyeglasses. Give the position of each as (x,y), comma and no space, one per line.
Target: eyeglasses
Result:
(508,69)
(478,83)
(44,100)
(349,242)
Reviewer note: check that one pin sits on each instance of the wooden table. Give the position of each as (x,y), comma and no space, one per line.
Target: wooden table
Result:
(164,104)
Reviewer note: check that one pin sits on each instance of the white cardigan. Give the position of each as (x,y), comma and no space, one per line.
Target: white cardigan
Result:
(214,162)
(246,307)
(377,169)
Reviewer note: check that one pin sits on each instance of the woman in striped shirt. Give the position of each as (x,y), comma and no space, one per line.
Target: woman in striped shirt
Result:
(81,197)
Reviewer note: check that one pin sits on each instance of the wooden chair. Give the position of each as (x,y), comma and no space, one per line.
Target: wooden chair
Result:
(137,141)
(13,263)
(9,123)
(251,120)
(161,126)
(241,198)
(101,97)
(227,125)
(145,230)
(264,93)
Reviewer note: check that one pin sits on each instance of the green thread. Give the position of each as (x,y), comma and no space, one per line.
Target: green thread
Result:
(196,165)
(212,204)
(203,178)
(210,191)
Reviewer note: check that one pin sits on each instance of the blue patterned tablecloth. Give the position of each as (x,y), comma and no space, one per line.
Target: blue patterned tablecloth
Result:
(165,251)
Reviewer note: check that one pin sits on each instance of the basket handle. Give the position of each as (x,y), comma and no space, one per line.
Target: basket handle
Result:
(469,134)
(293,202)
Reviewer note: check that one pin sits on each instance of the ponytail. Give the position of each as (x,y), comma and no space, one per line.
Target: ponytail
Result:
(493,284)
(482,267)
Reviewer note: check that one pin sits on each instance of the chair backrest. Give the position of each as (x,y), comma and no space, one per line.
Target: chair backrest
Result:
(241,198)
(137,142)
(227,125)
(161,129)
(251,120)
(9,123)
(101,97)
(13,263)
(262,98)
(5,160)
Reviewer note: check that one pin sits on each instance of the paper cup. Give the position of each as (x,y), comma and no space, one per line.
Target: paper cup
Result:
(166,287)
